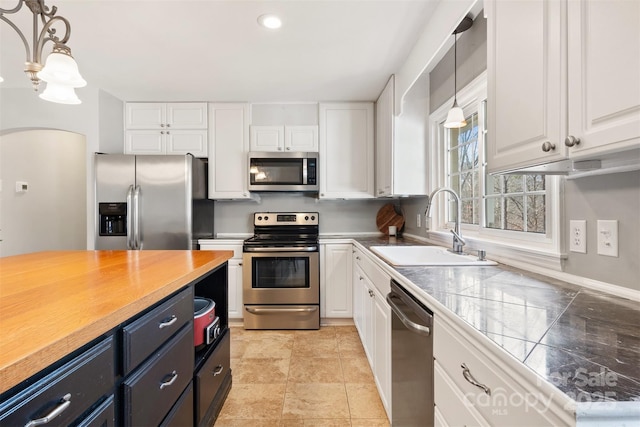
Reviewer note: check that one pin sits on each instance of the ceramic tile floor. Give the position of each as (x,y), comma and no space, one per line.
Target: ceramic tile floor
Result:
(301,378)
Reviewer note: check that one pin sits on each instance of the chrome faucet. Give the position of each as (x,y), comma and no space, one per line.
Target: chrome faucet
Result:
(458,241)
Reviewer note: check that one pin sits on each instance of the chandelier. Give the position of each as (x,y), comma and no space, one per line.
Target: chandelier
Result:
(60,71)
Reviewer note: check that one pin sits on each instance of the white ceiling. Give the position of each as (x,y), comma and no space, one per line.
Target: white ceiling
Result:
(214,50)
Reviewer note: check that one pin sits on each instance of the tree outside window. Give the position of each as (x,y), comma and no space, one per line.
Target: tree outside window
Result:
(511,202)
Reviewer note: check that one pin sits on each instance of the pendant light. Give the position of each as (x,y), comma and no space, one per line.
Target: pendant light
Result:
(455,118)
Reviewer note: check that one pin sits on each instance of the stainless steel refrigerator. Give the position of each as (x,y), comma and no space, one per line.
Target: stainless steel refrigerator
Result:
(151,202)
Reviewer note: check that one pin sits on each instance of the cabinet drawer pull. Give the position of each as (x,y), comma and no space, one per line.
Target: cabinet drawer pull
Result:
(174,377)
(467,376)
(165,323)
(63,404)
(218,370)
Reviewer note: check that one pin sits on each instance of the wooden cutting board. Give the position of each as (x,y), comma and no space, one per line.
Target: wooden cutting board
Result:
(389,215)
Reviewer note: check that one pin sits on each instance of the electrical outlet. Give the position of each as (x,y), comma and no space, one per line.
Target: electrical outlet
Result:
(578,236)
(418,221)
(608,237)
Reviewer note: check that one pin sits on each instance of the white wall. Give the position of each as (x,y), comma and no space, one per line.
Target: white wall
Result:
(617,197)
(50,215)
(98,117)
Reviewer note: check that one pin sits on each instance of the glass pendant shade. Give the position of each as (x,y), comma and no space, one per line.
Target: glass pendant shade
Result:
(61,69)
(61,94)
(455,118)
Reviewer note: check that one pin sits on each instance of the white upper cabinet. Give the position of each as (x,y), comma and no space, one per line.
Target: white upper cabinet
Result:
(525,82)
(284,138)
(604,75)
(384,140)
(301,138)
(530,120)
(267,138)
(346,150)
(166,128)
(229,144)
(160,115)
(401,149)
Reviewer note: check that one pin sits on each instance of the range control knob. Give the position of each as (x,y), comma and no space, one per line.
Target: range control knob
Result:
(259,218)
(266,218)
(306,218)
(313,218)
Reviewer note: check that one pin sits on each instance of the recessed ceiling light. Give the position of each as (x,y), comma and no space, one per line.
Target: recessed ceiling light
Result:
(270,21)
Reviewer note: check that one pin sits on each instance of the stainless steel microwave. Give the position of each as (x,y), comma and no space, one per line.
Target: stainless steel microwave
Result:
(274,171)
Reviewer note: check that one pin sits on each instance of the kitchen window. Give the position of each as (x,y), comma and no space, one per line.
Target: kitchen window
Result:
(497,210)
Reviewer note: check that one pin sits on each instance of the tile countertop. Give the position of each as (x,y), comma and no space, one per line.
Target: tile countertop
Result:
(585,342)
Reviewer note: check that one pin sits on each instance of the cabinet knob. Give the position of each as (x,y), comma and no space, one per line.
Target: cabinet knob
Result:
(571,141)
(161,132)
(161,125)
(547,146)
(168,132)
(168,125)
(279,148)
(288,148)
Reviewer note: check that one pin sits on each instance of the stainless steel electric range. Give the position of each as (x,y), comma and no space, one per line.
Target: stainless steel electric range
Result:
(281,272)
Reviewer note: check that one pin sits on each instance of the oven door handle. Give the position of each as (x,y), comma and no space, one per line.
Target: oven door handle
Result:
(284,249)
(254,310)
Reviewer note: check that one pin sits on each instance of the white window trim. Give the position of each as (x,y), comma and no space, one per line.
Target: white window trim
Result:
(510,247)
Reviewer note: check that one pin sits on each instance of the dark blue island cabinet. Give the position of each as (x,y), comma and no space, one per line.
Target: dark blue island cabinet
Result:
(145,372)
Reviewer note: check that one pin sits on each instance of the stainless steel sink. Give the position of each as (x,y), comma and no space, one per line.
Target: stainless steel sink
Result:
(426,255)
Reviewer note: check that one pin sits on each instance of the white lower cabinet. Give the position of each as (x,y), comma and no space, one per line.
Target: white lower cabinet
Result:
(451,408)
(234,272)
(372,317)
(500,395)
(335,280)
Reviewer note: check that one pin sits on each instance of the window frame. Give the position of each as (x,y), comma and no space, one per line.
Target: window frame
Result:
(507,244)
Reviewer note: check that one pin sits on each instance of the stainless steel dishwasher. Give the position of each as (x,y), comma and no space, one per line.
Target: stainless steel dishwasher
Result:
(411,360)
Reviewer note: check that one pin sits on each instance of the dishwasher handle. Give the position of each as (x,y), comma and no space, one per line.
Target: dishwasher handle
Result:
(413,326)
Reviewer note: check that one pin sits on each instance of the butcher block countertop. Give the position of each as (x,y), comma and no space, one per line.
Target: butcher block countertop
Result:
(52,303)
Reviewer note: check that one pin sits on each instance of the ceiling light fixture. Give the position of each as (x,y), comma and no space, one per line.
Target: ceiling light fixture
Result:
(60,70)
(455,118)
(270,21)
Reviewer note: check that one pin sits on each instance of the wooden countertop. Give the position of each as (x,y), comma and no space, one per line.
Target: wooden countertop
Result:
(52,303)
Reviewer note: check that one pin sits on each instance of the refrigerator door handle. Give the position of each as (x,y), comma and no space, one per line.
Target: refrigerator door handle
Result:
(137,241)
(130,218)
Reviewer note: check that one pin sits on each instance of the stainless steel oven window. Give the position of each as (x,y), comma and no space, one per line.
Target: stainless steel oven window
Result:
(280,272)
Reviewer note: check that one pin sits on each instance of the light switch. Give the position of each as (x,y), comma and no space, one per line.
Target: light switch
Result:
(608,237)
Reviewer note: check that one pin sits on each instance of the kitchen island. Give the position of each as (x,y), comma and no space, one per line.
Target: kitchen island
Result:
(53,304)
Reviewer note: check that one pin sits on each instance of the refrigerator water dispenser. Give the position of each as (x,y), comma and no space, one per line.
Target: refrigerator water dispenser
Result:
(113,219)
